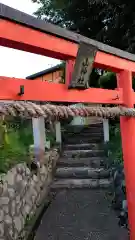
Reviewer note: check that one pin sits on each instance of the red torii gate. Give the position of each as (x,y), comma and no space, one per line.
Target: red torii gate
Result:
(24,32)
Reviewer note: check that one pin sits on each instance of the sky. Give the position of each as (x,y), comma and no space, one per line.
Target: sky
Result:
(15,63)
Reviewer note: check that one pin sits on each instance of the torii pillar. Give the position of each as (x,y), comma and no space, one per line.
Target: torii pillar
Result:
(127,126)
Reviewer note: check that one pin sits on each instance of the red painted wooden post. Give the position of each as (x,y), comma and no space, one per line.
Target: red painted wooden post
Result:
(127,125)
(69,71)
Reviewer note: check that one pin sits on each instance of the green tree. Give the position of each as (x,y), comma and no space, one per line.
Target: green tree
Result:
(108,21)
(109,81)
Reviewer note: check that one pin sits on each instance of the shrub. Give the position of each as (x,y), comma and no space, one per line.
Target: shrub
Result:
(113,149)
(16,137)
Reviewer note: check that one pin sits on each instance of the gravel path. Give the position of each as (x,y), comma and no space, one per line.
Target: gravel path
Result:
(80,215)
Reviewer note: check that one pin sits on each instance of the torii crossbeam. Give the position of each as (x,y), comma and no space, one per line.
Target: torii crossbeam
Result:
(21,31)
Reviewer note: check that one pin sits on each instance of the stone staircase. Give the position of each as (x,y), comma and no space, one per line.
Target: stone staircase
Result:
(80,208)
(82,161)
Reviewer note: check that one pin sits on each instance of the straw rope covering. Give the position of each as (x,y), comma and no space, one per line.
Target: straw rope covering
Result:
(29,109)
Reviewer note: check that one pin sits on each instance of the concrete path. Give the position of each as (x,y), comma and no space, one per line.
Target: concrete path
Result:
(80,215)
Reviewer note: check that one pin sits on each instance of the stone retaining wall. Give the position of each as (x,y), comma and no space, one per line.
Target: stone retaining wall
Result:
(119,196)
(20,194)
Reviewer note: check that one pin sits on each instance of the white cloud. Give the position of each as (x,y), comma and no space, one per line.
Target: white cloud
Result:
(14,63)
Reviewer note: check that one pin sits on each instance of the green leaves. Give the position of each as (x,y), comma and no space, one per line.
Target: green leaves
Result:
(110,21)
(20,137)
(108,80)
(12,153)
(113,149)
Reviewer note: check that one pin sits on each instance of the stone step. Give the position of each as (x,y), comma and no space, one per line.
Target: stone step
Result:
(78,140)
(92,127)
(83,146)
(81,183)
(83,134)
(94,162)
(82,153)
(82,172)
